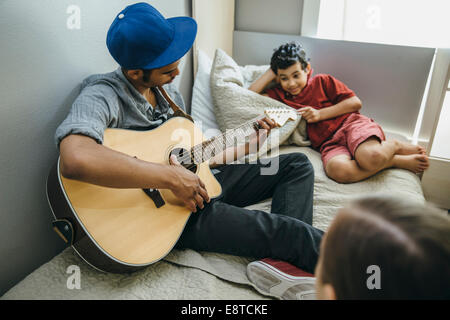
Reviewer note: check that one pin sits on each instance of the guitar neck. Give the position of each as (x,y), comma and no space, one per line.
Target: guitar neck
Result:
(209,148)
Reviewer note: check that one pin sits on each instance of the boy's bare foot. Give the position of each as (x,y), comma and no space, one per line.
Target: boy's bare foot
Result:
(416,163)
(405,148)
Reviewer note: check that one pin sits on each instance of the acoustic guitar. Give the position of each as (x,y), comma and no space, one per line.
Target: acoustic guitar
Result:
(123,230)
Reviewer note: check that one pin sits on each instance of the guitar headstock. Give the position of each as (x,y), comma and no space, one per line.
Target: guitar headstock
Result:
(281,115)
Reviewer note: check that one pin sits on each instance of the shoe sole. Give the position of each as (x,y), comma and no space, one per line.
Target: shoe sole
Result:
(276,283)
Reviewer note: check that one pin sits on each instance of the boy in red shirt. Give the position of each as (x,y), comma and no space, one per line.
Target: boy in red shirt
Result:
(353,146)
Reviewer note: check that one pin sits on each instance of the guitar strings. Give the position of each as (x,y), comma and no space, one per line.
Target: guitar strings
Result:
(219,138)
(194,152)
(212,142)
(222,141)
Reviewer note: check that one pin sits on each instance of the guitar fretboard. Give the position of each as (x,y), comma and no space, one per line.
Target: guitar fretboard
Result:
(215,145)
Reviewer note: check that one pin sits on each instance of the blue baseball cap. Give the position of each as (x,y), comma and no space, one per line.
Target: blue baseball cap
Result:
(141,38)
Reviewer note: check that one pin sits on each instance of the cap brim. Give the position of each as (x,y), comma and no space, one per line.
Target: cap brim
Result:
(185,31)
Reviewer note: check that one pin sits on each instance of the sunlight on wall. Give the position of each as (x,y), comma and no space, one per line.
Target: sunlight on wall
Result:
(402,22)
(440,148)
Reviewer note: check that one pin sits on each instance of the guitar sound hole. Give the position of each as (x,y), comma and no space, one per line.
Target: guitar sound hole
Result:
(184,158)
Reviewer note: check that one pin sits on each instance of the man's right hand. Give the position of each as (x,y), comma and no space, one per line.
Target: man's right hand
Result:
(188,187)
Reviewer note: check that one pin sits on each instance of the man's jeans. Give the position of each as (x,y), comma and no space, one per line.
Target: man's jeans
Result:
(286,233)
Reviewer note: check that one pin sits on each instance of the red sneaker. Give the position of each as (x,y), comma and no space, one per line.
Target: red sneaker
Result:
(281,280)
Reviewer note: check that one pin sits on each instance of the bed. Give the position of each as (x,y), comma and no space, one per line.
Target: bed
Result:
(220,84)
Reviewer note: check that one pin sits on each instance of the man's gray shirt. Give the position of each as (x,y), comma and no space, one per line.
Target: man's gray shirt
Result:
(111,101)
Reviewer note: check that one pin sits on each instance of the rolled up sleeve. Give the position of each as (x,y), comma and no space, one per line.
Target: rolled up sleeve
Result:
(89,116)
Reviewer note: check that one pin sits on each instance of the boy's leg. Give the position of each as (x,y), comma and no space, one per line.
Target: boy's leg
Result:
(370,158)
(367,144)
(343,169)
(363,151)
(338,163)
(373,155)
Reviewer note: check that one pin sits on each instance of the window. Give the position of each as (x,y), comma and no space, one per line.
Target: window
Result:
(402,22)
(440,147)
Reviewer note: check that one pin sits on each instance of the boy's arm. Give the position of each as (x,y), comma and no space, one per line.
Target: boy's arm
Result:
(262,82)
(312,115)
(82,158)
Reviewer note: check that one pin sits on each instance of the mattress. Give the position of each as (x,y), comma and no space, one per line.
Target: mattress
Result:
(188,274)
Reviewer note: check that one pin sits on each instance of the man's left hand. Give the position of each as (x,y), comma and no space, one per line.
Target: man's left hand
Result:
(265,124)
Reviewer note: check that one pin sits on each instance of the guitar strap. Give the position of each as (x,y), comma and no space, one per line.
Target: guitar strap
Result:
(177,111)
(154,194)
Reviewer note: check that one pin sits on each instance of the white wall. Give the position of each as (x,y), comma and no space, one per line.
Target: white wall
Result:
(42,63)
(214,30)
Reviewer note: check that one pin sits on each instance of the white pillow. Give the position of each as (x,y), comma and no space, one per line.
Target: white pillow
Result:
(234,104)
(202,108)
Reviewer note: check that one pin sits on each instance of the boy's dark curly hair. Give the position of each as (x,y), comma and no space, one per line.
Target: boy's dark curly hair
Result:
(288,54)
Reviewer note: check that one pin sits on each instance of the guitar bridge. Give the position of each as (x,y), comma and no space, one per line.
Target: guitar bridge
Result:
(155,195)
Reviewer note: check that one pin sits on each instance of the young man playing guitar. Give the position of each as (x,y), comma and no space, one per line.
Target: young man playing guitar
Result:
(148,49)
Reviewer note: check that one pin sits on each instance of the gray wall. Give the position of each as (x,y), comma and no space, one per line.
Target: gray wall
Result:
(42,63)
(386,96)
(280,16)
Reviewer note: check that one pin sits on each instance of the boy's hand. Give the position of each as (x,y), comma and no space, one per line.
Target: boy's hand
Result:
(310,114)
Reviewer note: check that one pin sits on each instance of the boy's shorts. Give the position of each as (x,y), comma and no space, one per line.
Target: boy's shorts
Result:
(354,130)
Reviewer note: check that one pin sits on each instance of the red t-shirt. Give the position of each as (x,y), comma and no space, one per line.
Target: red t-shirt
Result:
(321,91)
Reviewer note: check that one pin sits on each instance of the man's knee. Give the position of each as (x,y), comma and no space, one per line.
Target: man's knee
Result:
(298,164)
(298,160)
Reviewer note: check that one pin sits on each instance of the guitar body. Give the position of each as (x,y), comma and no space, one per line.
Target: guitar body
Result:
(122,230)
